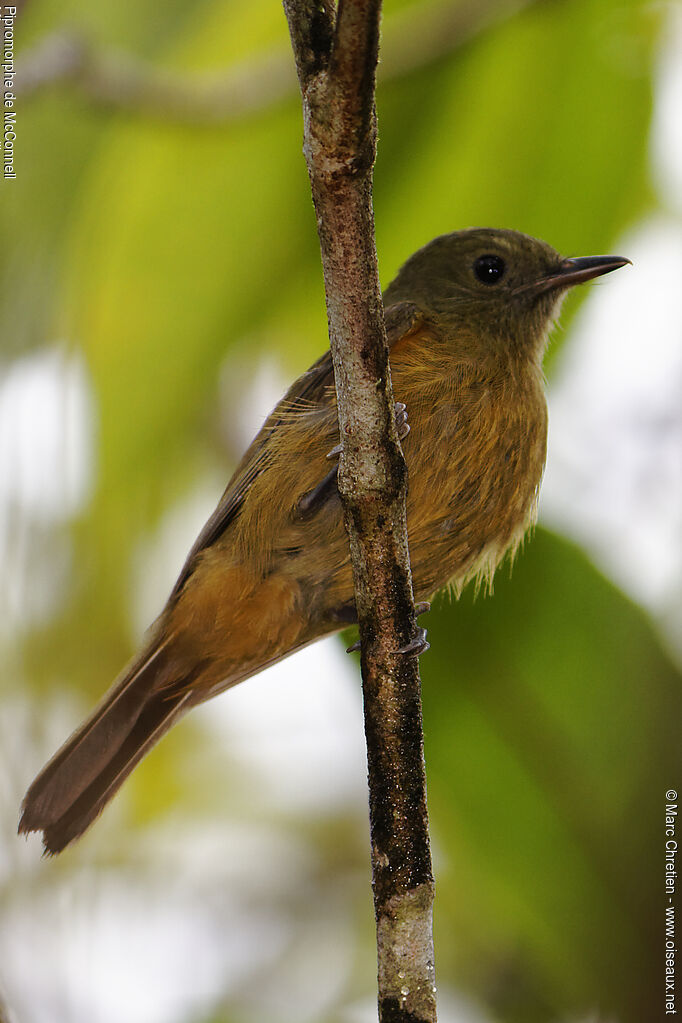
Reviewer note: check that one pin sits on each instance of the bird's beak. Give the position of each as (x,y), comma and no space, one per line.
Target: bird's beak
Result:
(577,270)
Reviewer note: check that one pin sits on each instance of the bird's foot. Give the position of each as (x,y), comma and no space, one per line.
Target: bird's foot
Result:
(416,646)
(401,423)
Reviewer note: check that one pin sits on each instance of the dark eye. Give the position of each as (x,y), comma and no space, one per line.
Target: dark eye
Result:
(489,269)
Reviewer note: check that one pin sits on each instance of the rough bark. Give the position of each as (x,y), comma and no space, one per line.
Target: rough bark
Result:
(336,57)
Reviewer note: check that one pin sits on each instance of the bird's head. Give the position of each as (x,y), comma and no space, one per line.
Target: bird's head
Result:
(502,287)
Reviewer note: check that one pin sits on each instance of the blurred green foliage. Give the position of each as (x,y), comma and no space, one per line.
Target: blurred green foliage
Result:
(157,249)
(549,754)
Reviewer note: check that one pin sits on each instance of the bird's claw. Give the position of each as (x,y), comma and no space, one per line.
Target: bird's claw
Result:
(416,646)
(419,644)
(401,424)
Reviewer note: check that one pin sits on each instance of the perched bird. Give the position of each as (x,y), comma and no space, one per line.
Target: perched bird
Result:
(467,322)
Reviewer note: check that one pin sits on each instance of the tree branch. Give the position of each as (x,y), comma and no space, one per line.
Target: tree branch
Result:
(337,85)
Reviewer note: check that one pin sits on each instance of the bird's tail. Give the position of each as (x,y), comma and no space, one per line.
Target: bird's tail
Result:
(75,786)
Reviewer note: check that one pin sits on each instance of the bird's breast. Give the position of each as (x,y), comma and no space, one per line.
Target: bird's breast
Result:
(475,461)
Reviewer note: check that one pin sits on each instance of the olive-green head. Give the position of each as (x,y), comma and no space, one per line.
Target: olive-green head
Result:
(501,286)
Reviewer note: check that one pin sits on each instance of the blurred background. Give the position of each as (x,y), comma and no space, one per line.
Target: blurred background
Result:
(160,285)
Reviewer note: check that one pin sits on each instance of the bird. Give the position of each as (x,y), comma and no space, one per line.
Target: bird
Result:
(467,323)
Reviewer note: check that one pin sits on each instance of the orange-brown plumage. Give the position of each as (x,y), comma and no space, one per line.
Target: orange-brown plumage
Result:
(268,575)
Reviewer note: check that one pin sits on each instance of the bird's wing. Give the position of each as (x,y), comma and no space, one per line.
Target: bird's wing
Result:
(312,388)
(308,389)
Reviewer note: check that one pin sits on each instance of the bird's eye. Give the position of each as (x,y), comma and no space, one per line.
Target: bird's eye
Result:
(489,269)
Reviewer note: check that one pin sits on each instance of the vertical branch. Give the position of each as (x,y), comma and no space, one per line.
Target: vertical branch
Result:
(336,58)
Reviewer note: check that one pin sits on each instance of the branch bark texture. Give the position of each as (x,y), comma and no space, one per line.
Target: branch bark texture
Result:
(336,56)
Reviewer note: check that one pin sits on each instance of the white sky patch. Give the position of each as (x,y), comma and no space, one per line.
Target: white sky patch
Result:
(666,139)
(45,435)
(249,392)
(614,467)
(299,725)
(46,476)
(153,931)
